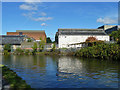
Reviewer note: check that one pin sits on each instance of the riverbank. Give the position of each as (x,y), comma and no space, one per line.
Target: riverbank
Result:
(101,51)
(12,80)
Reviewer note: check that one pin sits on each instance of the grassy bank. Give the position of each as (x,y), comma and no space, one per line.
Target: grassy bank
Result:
(103,51)
(13,79)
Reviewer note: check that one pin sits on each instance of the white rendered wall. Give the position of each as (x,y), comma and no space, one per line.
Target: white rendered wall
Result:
(65,40)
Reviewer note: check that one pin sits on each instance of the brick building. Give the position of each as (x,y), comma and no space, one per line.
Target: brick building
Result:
(36,34)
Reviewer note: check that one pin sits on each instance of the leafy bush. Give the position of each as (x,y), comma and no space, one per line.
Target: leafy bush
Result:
(53,47)
(7,47)
(19,51)
(116,36)
(5,52)
(27,51)
(106,51)
(41,45)
(34,48)
(29,40)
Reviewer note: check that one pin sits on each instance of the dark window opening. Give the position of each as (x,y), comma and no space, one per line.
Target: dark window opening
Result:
(20,33)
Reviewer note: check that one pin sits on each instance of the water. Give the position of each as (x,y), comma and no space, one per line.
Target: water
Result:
(64,72)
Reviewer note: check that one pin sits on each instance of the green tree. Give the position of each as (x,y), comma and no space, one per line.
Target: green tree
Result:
(56,38)
(29,40)
(34,48)
(53,47)
(49,40)
(41,45)
(116,36)
(7,47)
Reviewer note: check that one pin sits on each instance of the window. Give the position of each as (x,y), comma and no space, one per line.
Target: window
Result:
(20,33)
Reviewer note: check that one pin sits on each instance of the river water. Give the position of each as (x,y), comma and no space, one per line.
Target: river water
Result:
(63,71)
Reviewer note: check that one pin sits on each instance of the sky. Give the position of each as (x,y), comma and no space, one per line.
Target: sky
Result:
(50,16)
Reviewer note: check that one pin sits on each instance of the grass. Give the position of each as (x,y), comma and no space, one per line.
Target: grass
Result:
(13,79)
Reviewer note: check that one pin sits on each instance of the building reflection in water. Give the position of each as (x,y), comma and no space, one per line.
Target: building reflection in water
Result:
(69,67)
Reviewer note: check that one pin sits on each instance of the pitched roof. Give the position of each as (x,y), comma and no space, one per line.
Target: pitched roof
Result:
(11,39)
(81,32)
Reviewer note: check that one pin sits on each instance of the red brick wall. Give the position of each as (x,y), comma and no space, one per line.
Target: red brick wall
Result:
(35,35)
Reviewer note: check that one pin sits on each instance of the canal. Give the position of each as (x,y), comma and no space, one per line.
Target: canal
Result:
(63,71)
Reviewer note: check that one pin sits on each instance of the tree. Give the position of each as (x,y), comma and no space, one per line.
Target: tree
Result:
(7,47)
(34,48)
(56,38)
(91,39)
(29,40)
(41,45)
(53,47)
(49,40)
(116,36)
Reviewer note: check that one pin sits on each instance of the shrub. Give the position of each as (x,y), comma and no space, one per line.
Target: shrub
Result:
(34,48)
(27,51)
(53,47)
(19,51)
(6,52)
(41,45)
(105,51)
(7,47)
(29,40)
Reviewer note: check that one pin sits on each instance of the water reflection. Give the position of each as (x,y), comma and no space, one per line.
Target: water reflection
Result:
(64,72)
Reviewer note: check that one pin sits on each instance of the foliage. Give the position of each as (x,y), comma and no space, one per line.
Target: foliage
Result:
(93,43)
(41,45)
(19,51)
(116,36)
(91,39)
(48,40)
(105,51)
(13,79)
(29,40)
(27,51)
(7,47)
(34,48)
(53,47)
(5,52)
(56,38)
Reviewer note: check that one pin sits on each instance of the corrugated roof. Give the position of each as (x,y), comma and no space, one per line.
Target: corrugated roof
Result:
(11,39)
(81,32)
(72,29)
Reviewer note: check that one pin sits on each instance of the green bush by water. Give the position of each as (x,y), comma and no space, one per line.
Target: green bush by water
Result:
(19,51)
(5,52)
(104,51)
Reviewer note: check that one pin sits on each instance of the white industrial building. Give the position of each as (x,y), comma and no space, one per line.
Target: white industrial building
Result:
(66,37)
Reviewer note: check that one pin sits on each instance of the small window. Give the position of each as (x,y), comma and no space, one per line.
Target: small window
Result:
(20,33)
(65,36)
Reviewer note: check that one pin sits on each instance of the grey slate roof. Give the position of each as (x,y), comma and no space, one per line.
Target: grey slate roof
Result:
(11,39)
(81,32)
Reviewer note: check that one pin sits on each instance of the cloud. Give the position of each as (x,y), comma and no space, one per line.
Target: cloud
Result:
(43,14)
(33,16)
(43,24)
(30,14)
(33,11)
(42,18)
(28,7)
(32,1)
(107,20)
